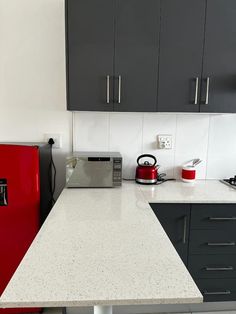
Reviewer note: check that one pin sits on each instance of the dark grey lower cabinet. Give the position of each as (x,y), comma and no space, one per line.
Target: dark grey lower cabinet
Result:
(219,266)
(217,289)
(212,250)
(175,220)
(204,236)
(213,216)
(212,241)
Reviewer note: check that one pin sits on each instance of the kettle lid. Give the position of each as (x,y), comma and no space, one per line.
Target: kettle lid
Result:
(147,163)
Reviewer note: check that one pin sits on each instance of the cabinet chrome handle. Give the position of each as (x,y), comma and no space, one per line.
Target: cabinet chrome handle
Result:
(227,268)
(196,91)
(207,90)
(221,243)
(222,218)
(108,89)
(185,229)
(119,89)
(216,292)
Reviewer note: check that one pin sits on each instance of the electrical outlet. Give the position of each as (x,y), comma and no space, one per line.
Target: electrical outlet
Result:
(164,141)
(56,137)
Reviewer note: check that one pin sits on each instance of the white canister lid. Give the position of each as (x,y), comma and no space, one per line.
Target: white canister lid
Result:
(189,168)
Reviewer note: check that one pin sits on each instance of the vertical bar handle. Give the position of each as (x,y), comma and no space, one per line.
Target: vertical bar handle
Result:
(185,229)
(119,89)
(207,90)
(3,201)
(3,192)
(196,91)
(108,89)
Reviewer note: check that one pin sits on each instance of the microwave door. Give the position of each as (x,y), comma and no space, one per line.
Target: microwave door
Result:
(92,172)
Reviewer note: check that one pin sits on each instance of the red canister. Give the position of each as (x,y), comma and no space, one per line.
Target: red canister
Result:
(188,174)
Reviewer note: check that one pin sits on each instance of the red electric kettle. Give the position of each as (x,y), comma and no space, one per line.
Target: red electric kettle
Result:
(146,173)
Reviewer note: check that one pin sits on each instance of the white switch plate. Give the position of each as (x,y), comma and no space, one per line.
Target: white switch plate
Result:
(164,141)
(56,137)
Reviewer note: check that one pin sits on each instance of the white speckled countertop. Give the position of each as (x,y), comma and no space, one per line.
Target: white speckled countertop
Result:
(202,191)
(105,246)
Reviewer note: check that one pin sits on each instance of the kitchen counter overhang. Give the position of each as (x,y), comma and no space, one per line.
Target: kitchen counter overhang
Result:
(106,247)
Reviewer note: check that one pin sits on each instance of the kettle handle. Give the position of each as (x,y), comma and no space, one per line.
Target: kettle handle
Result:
(147,155)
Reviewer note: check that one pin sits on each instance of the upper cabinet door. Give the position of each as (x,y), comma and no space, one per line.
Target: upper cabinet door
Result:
(90,54)
(219,66)
(181,50)
(136,55)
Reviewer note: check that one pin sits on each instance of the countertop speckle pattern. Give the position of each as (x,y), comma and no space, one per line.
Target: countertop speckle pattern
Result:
(201,191)
(105,246)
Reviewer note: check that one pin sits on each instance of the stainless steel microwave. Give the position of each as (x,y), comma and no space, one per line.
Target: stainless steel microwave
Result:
(94,169)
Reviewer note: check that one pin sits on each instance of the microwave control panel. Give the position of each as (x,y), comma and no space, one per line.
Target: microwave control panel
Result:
(117,171)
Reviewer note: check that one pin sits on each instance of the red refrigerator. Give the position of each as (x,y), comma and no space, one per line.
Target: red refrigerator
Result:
(25,201)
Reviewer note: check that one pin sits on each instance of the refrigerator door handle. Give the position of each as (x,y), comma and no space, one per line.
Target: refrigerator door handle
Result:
(3,192)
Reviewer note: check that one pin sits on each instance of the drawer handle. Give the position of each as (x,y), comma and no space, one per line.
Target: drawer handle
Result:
(221,243)
(221,218)
(216,292)
(227,268)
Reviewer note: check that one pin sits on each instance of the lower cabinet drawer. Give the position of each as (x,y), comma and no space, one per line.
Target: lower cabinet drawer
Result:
(212,242)
(217,289)
(212,266)
(213,216)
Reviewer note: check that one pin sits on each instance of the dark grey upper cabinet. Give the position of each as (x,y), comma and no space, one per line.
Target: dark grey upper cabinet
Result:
(112,54)
(136,55)
(219,64)
(155,55)
(181,49)
(90,54)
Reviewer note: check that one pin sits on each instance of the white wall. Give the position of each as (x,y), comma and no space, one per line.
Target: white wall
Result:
(33,102)
(209,137)
(32,74)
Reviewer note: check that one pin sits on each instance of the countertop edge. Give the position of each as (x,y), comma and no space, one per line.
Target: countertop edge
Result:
(100,302)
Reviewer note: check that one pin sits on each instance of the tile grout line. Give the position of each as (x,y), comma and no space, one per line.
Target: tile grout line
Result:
(72,131)
(109,131)
(208,144)
(142,133)
(175,146)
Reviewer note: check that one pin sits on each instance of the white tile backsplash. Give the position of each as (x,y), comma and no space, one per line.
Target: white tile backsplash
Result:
(209,137)
(153,125)
(91,131)
(222,146)
(126,137)
(191,142)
